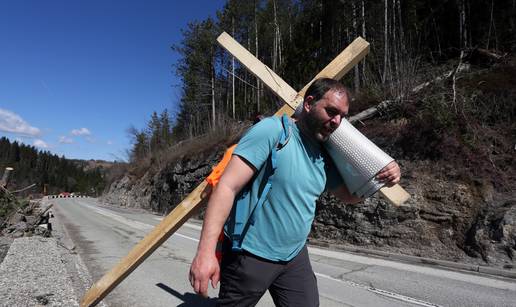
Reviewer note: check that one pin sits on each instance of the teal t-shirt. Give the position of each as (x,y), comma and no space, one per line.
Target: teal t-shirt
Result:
(303,172)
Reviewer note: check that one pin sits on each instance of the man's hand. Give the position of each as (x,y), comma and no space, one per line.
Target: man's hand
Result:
(390,174)
(203,269)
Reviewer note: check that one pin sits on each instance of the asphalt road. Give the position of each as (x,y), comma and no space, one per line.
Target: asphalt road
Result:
(103,235)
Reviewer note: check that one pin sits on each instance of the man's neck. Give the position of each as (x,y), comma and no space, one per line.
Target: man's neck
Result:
(305,132)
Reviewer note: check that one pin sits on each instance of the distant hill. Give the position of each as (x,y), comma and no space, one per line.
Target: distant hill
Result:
(92,164)
(44,169)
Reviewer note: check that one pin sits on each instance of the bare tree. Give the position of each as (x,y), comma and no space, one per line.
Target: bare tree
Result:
(363,35)
(213,118)
(256,53)
(385,41)
(233,74)
(491,23)
(462,25)
(355,33)
(276,57)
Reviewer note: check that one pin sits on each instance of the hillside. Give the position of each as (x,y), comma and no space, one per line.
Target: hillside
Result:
(46,171)
(456,159)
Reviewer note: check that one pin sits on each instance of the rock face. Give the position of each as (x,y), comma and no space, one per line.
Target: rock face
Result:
(162,191)
(444,219)
(130,192)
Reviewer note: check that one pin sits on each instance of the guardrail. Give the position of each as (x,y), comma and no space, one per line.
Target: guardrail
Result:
(67,196)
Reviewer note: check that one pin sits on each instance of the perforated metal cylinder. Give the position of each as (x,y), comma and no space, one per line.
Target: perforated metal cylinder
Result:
(357,159)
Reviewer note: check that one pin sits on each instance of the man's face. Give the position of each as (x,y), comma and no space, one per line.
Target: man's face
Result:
(324,116)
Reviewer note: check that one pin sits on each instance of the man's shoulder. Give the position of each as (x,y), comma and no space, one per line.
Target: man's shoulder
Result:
(271,122)
(268,128)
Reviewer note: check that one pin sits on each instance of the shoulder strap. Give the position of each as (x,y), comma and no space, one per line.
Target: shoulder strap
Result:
(241,226)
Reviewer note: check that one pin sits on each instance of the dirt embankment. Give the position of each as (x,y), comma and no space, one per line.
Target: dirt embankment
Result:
(455,147)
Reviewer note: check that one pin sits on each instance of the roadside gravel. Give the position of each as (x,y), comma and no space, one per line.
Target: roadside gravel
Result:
(39,271)
(33,274)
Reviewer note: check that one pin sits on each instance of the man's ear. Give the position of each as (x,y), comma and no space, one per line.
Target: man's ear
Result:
(307,103)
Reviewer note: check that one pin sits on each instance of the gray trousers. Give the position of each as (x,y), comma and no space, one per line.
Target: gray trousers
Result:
(245,278)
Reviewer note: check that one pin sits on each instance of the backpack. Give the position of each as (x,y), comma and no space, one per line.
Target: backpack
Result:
(238,229)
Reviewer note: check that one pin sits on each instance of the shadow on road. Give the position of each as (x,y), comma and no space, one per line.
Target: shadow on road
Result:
(189,299)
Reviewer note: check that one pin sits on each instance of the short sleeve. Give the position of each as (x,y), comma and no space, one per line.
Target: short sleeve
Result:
(257,143)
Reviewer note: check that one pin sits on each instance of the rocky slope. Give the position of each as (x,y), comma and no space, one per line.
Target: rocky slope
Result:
(444,219)
(457,160)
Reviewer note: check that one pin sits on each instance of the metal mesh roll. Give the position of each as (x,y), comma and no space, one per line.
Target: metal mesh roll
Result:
(357,159)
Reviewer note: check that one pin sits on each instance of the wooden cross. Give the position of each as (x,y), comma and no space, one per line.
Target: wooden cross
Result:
(346,60)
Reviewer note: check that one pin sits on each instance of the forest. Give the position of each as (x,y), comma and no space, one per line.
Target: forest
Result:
(440,76)
(411,41)
(32,166)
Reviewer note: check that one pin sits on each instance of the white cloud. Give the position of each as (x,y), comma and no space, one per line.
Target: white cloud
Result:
(82,131)
(65,140)
(40,143)
(109,142)
(12,122)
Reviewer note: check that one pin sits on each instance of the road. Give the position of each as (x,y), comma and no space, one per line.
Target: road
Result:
(103,235)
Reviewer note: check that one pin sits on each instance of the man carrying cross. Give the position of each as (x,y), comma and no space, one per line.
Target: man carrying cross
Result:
(274,255)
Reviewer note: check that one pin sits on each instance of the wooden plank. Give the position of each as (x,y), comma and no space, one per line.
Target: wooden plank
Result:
(341,64)
(145,247)
(177,217)
(396,195)
(337,68)
(346,60)
(262,71)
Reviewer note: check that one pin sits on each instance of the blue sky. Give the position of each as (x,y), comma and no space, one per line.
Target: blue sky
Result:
(74,75)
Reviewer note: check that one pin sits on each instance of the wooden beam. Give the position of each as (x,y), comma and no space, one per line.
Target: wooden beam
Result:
(337,68)
(396,195)
(145,247)
(177,217)
(260,70)
(346,60)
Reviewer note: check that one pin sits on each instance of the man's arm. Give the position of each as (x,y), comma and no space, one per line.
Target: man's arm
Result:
(205,265)
(390,175)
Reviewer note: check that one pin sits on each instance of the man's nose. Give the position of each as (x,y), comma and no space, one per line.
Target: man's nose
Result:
(335,121)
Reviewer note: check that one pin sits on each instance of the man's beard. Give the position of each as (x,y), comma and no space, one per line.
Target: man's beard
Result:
(315,128)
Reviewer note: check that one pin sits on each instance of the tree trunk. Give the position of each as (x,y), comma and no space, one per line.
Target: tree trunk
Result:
(355,33)
(256,54)
(385,41)
(462,25)
(436,30)
(490,25)
(213,94)
(394,45)
(233,76)
(364,37)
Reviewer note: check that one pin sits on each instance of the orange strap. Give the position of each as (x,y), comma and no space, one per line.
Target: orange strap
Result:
(212,179)
(215,175)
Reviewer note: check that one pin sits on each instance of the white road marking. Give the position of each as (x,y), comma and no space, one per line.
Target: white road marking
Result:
(137,224)
(186,237)
(193,226)
(468,278)
(347,257)
(379,291)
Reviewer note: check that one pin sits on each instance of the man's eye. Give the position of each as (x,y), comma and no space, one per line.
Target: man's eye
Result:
(332,113)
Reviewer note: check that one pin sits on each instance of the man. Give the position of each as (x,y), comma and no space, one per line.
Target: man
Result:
(274,255)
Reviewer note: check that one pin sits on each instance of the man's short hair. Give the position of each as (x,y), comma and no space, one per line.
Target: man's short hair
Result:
(321,86)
